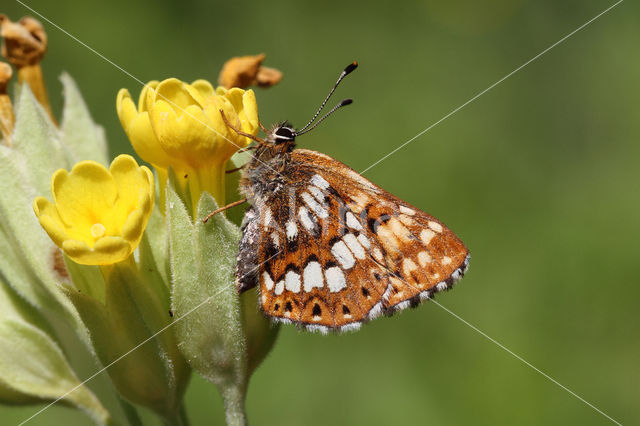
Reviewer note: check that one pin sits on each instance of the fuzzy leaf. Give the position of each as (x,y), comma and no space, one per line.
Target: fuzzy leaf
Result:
(26,172)
(204,297)
(27,242)
(82,138)
(36,149)
(152,373)
(32,365)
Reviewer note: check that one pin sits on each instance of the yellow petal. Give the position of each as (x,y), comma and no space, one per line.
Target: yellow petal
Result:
(177,94)
(84,195)
(107,250)
(229,141)
(204,88)
(49,219)
(142,100)
(125,108)
(146,144)
(245,105)
(131,181)
(134,226)
(190,136)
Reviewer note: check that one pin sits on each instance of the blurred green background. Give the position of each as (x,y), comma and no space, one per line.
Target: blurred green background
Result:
(539,176)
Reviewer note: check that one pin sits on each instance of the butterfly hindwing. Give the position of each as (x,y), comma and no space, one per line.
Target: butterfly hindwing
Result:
(334,250)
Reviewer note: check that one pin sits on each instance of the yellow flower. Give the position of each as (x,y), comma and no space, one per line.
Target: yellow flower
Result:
(98,215)
(179,125)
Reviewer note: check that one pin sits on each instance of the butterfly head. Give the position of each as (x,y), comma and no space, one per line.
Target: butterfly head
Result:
(282,133)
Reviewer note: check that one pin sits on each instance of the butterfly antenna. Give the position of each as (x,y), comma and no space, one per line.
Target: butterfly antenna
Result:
(334,109)
(352,66)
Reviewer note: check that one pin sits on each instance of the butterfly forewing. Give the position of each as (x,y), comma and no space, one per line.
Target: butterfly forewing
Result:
(335,250)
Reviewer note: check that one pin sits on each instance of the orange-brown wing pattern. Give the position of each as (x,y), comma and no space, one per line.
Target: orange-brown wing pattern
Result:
(343,251)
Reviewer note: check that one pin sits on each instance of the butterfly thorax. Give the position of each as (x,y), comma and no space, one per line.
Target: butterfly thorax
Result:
(265,173)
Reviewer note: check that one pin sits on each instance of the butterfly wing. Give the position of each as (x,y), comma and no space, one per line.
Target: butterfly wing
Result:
(336,250)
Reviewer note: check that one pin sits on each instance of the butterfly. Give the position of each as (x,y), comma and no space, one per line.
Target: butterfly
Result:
(328,249)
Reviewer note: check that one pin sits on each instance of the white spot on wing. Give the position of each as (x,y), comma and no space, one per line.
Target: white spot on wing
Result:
(407,210)
(435,226)
(267,218)
(364,241)
(423,258)
(352,222)
(305,218)
(317,193)
(343,255)
(279,287)
(446,260)
(317,328)
(275,238)
(402,305)
(292,281)
(268,282)
(388,239)
(292,230)
(426,235)
(376,311)
(399,229)
(335,279)
(408,266)
(312,276)
(406,220)
(354,326)
(319,181)
(377,254)
(354,246)
(320,211)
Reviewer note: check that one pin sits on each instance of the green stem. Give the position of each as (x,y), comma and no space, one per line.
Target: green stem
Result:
(233,398)
(130,412)
(183,416)
(178,419)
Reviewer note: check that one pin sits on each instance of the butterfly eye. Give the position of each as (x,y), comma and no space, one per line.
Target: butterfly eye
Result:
(284,134)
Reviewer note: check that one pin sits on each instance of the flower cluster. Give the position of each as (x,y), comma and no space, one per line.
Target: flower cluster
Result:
(180,126)
(117,250)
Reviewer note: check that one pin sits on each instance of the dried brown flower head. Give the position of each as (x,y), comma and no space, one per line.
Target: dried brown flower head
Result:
(24,42)
(245,71)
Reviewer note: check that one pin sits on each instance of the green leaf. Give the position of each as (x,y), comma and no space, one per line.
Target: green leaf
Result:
(82,138)
(204,298)
(28,244)
(32,365)
(130,334)
(36,150)
(26,172)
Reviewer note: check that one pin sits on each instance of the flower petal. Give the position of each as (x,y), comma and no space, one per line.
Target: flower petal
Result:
(177,94)
(204,88)
(125,108)
(83,195)
(148,88)
(106,251)
(49,219)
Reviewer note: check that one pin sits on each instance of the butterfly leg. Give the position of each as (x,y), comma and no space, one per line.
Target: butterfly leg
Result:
(249,148)
(240,132)
(221,209)
(236,169)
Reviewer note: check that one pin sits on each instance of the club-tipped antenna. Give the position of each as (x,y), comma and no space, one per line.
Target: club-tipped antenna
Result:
(352,66)
(334,109)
